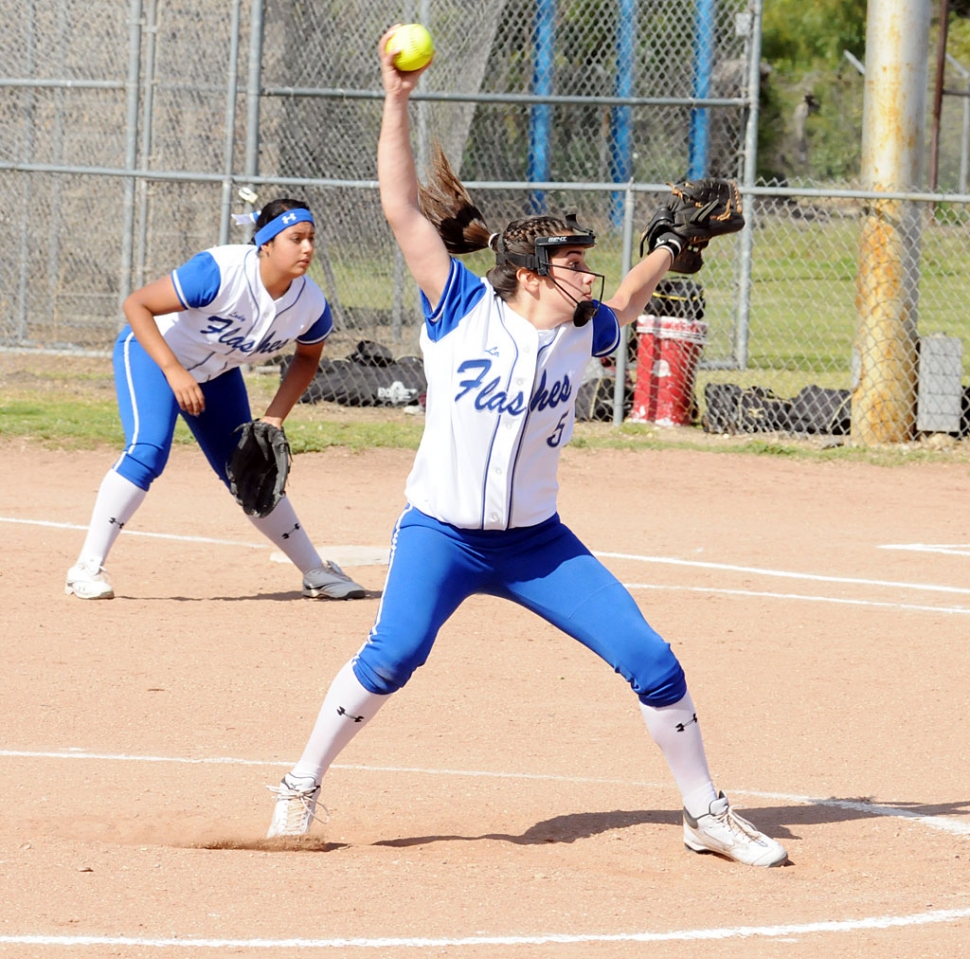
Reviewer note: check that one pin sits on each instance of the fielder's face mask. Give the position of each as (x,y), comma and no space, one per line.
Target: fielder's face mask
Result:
(538,263)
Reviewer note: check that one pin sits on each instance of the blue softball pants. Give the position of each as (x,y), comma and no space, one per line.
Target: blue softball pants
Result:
(149,410)
(434,567)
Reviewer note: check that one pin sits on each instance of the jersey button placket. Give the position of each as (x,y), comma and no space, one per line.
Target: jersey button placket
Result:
(507,440)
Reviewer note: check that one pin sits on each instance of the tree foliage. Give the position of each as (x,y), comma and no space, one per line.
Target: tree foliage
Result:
(802,34)
(958,37)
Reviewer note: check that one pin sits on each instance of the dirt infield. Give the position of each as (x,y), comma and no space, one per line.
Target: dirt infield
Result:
(508,802)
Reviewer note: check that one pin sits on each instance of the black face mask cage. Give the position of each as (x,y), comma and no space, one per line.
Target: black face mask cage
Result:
(539,263)
(545,245)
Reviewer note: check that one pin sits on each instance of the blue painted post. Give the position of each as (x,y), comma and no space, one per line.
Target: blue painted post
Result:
(699,146)
(540,114)
(621,151)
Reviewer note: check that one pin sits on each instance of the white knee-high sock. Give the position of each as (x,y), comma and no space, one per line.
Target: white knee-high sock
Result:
(116,502)
(283,529)
(675,730)
(346,709)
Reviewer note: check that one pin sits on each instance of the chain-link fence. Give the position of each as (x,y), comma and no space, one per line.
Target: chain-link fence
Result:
(127,127)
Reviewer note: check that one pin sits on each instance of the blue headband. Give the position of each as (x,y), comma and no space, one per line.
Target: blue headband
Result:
(281,223)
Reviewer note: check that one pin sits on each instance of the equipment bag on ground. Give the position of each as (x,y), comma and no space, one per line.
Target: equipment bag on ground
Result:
(731,408)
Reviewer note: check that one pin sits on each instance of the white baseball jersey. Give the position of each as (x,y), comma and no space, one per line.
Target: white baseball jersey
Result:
(230,319)
(500,406)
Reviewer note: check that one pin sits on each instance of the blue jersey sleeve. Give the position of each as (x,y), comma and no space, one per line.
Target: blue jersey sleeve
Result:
(197,282)
(606,331)
(320,330)
(462,291)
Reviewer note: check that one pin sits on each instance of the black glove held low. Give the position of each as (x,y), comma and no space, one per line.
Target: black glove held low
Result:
(259,467)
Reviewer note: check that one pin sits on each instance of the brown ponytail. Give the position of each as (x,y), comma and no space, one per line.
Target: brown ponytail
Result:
(461,225)
(446,203)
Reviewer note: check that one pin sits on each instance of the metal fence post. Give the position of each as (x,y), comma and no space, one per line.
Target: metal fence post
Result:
(131,147)
(540,114)
(965,129)
(748,180)
(700,121)
(230,138)
(621,133)
(254,89)
(58,130)
(619,387)
(29,116)
(423,159)
(148,106)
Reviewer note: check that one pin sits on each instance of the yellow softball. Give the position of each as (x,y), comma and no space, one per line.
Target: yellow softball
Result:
(415,46)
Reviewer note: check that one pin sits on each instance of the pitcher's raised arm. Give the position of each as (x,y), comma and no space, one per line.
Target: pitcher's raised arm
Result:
(423,249)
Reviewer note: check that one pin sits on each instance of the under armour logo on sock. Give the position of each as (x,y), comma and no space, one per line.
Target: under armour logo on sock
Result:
(680,727)
(291,532)
(114,522)
(343,712)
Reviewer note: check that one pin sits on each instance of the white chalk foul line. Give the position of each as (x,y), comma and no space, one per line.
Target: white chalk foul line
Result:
(749,593)
(875,809)
(136,532)
(678,935)
(661,560)
(759,571)
(686,935)
(961,549)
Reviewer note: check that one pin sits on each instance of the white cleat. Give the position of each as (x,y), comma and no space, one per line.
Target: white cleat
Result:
(87,581)
(296,804)
(723,831)
(331,581)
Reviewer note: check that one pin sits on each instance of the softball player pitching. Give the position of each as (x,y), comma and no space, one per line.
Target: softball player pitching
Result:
(187,336)
(503,357)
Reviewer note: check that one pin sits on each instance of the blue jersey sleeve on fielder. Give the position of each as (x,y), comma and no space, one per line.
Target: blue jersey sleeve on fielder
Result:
(462,291)
(197,282)
(320,330)
(606,331)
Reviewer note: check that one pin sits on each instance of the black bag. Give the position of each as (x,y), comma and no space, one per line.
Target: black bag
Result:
(762,411)
(369,353)
(722,402)
(340,381)
(680,298)
(819,410)
(402,383)
(750,409)
(410,371)
(594,399)
(366,378)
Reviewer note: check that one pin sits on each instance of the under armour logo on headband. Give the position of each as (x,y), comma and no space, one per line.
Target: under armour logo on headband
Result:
(281,222)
